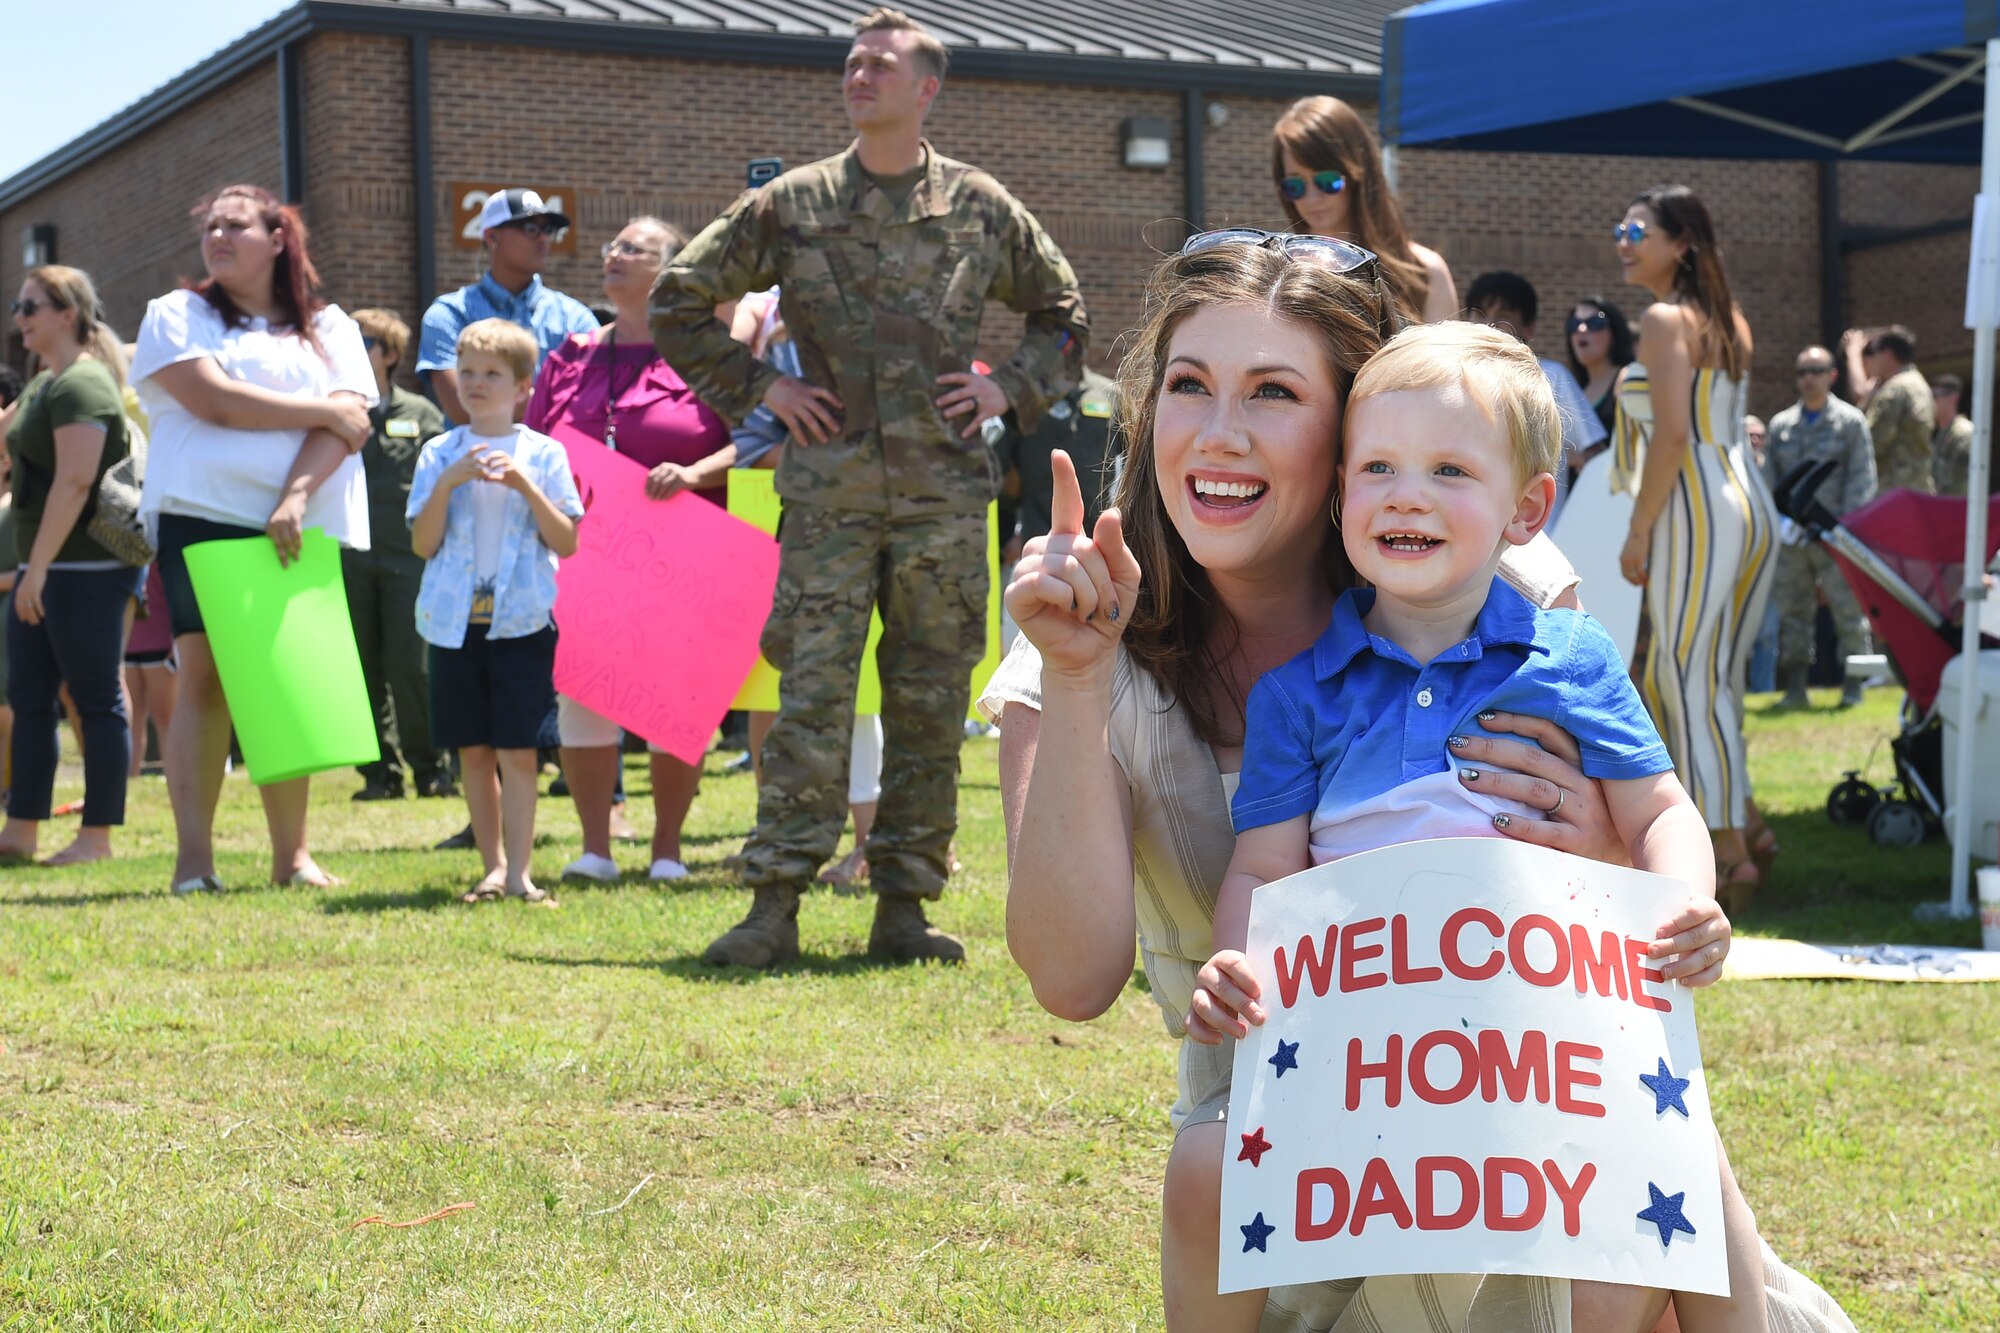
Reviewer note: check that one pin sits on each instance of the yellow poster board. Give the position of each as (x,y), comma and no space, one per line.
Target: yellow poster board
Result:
(754,499)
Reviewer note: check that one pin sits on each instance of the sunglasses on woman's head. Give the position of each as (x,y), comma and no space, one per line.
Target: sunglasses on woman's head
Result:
(1633,232)
(1596,323)
(29,307)
(1343,257)
(1326,182)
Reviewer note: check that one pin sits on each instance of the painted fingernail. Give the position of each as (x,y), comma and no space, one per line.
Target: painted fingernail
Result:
(1456,742)
(1488,715)
(1502,821)
(1114,613)
(1469,774)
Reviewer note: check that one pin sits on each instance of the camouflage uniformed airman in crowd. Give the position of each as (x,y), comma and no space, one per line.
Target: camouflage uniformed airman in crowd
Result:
(1817,426)
(885,256)
(1951,442)
(1897,399)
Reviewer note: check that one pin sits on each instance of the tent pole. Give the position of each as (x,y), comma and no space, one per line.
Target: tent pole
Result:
(1975,515)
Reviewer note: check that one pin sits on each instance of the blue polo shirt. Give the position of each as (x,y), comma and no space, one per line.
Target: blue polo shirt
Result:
(1355,716)
(543,311)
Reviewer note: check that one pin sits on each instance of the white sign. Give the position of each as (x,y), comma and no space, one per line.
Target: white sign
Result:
(1469,1066)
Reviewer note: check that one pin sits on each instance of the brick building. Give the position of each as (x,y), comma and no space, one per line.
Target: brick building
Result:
(381,116)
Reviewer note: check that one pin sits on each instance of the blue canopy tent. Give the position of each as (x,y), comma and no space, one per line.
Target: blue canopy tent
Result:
(1830,79)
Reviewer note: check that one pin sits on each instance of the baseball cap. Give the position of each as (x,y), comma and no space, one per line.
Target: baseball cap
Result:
(517,205)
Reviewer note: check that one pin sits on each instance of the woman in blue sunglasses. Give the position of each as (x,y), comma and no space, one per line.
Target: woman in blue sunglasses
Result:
(1331,183)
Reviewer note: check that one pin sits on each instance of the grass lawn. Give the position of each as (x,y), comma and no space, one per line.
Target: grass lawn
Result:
(198,1099)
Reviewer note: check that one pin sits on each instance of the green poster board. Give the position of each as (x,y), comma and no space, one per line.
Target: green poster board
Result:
(284,647)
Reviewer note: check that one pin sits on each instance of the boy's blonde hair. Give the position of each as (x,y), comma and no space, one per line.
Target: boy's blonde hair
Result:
(1495,369)
(505,339)
(387,328)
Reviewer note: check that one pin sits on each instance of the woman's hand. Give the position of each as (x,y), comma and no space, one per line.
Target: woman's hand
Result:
(346,415)
(1636,558)
(1073,595)
(286,527)
(28,594)
(1579,821)
(666,480)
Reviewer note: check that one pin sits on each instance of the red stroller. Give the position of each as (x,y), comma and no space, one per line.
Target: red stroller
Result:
(1903,553)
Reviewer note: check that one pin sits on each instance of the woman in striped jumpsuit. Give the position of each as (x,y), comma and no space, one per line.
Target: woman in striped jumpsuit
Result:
(1703,526)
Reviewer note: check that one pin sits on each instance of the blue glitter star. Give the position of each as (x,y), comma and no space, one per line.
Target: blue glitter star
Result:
(1255,1234)
(1665,1214)
(1667,1090)
(1286,1058)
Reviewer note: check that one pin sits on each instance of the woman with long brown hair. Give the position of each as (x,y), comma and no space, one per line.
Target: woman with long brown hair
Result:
(1701,539)
(258,392)
(1331,182)
(68,622)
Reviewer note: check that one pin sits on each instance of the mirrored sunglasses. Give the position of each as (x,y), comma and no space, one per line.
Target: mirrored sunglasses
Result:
(1326,182)
(1596,323)
(1630,232)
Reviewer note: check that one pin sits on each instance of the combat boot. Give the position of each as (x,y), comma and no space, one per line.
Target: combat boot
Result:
(902,933)
(1796,674)
(765,938)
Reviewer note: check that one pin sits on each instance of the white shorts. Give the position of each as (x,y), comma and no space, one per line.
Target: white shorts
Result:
(586,728)
(864,761)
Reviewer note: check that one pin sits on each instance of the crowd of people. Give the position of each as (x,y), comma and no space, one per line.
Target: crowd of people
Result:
(1238,496)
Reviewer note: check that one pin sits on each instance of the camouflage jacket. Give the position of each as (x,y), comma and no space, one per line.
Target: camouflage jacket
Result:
(880,300)
(1840,433)
(1951,457)
(1900,418)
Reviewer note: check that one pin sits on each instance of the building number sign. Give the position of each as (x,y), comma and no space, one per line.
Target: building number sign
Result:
(469,197)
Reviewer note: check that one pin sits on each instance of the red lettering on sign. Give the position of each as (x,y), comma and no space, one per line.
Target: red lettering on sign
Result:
(1428,1217)
(1378,1196)
(1517,949)
(1468,1067)
(1390,1071)
(1599,971)
(1305,1227)
(1352,953)
(1530,1216)
(1306,961)
(1454,961)
(1635,966)
(1569,1077)
(1399,956)
(1570,1192)
(1497,1068)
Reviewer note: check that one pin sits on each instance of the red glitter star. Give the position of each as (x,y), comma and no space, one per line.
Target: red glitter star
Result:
(1255,1145)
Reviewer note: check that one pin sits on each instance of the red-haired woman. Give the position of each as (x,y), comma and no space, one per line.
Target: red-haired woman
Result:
(1331,182)
(259,394)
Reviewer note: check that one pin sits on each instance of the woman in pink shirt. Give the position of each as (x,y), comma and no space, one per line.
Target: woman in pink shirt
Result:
(611,385)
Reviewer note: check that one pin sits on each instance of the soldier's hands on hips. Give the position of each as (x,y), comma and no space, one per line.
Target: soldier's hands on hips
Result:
(810,413)
(965,392)
(1072,595)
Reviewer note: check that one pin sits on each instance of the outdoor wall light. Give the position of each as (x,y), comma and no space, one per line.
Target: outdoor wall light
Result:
(1147,143)
(38,244)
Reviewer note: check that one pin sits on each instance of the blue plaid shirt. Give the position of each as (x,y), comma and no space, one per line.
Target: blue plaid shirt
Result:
(524,589)
(543,311)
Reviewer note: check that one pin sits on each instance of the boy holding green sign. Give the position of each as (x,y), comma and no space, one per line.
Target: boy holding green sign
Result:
(491,508)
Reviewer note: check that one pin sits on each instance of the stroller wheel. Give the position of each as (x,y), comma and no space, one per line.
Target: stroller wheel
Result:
(1897,824)
(1852,800)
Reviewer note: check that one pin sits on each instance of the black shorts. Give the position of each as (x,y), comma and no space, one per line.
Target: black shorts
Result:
(492,691)
(177,533)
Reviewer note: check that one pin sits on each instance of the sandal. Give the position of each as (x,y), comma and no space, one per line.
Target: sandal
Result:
(848,873)
(534,893)
(199,884)
(1736,883)
(485,891)
(1761,840)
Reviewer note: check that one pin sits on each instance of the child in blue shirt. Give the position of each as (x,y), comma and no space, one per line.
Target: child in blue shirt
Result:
(1451,442)
(492,506)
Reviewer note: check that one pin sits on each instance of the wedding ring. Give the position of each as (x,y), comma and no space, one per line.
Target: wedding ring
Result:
(1561,792)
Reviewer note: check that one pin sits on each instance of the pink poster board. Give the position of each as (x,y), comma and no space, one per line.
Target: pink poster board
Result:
(660,608)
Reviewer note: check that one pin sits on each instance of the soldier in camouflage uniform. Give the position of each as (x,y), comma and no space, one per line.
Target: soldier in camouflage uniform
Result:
(1951,443)
(885,257)
(1898,402)
(1819,425)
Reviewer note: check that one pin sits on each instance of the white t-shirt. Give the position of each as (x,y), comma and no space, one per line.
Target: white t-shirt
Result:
(489,515)
(234,476)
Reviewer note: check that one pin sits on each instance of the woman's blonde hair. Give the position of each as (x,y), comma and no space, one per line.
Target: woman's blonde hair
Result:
(1179,631)
(71,289)
(1326,134)
(1496,370)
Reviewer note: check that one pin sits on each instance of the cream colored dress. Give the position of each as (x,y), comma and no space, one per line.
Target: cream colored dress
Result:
(1181,843)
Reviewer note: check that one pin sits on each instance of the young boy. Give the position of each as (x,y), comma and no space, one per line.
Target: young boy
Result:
(1452,436)
(492,506)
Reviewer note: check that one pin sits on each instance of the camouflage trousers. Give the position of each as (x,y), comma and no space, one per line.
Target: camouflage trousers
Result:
(1801,569)
(929,578)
